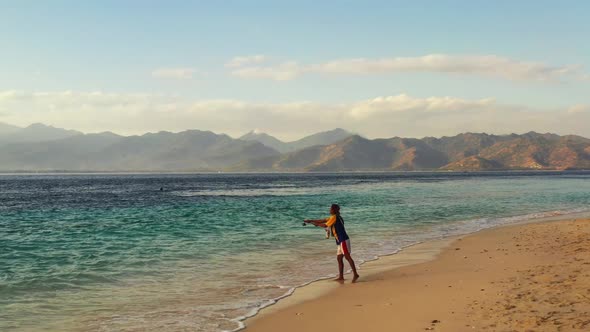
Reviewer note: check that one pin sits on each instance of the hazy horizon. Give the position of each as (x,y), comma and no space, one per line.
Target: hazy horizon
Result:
(372,68)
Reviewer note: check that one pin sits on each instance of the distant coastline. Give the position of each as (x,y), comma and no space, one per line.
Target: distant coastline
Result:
(205,172)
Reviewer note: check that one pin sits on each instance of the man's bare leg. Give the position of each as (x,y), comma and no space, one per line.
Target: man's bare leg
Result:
(352,266)
(340,259)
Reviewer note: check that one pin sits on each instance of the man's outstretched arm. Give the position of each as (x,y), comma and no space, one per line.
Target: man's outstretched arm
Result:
(317,222)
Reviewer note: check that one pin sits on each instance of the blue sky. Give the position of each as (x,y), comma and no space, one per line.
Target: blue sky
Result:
(180,51)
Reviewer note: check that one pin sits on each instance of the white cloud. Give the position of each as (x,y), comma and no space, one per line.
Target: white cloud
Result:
(283,72)
(385,116)
(13,95)
(403,103)
(483,65)
(179,73)
(66,99)
(579,109)
(240,61)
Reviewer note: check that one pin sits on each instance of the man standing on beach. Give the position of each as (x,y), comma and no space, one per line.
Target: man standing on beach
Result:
(335,224)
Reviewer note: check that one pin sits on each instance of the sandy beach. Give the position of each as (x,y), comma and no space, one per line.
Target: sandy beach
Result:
(528,277)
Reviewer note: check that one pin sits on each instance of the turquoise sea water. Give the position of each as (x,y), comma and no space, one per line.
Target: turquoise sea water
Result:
(114,252)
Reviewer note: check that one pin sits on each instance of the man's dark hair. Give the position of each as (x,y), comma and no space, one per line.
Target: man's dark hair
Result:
(335,208)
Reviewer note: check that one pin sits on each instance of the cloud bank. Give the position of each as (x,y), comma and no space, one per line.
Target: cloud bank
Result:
(240,61)
(385,116)
(179,73)
(482,65)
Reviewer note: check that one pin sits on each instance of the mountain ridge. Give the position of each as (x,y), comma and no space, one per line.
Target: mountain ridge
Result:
(321,138)
(6,128)
(463,152)
(196,150)
(191,150)
(36,132)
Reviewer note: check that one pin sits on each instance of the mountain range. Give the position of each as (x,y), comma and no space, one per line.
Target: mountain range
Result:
(463,152)
(323,138)
(44,148)
(164,151)
(36,132)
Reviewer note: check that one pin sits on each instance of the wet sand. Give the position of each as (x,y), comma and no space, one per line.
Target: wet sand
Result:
(530,277)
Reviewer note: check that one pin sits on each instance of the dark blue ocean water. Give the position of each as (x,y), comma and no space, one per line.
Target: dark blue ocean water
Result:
(114,252)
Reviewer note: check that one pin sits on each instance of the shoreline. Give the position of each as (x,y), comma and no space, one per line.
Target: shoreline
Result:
(523,171)
(411,255)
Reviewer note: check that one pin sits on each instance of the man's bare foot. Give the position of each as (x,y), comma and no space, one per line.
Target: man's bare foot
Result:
(355,278)
(340,279)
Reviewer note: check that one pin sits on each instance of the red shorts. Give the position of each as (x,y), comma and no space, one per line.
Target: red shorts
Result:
(343,248)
